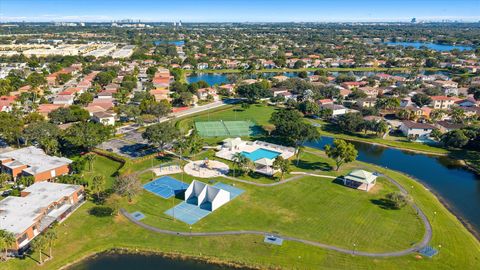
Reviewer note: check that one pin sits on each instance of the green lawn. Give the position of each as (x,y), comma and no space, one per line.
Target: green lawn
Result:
(102,166)
(314,208)
(293,209)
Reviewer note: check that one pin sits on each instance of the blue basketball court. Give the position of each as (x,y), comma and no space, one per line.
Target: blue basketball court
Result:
(191,213)
(166,187)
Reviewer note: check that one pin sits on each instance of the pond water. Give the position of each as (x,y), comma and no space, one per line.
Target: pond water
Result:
(455,184)
(114,261)
(169,42)
(433,46)
(223,78)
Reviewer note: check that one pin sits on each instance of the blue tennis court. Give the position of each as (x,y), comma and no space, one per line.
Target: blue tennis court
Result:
(191,213)
(188,213)
(166,187)
(234,192)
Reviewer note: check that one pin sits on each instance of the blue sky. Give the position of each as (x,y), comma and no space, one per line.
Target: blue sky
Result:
(239,10)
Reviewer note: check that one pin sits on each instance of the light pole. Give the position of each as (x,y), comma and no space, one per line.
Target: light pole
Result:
(173,204)
(354,247)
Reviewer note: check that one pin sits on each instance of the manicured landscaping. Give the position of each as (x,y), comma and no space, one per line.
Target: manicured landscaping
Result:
(359,220)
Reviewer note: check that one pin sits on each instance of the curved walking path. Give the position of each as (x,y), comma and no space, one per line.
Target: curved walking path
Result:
(424,242)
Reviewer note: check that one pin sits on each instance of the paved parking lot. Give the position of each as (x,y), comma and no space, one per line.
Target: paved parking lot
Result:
(130,145)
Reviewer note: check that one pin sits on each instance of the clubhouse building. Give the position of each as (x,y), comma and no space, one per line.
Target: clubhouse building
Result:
(262,154)
(32,161)
(39,206)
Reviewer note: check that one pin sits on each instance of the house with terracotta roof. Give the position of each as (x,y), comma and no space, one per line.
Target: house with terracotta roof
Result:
(371,92)
(45,109)
(64,99)
(6,103)
(442,102)
(324,101)
(161,94)
(419,112)
(106,103)
(230,88)
(352,85)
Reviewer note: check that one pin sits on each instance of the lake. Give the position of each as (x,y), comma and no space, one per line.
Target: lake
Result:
(433,46)
(222,78)
(116,261)
(455,184)
(169,42)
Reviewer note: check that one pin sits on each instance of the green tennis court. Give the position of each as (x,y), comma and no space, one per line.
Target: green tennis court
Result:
(226,128)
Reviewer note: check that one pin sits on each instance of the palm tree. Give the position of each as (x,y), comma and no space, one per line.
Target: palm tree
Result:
(457,115)
(238,160)
(283,165)
(4,178)
(39,244)
(90,158)
(50,237)
(8,240)
(98,182)
(300,149)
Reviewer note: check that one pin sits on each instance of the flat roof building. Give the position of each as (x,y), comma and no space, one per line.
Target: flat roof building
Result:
(39,206)
(32,161)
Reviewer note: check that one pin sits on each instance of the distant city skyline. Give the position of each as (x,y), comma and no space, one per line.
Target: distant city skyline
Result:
(239,11)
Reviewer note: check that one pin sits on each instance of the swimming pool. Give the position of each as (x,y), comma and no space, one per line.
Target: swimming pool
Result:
(261,153)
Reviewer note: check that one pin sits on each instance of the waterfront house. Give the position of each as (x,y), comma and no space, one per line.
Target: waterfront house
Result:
(415,129)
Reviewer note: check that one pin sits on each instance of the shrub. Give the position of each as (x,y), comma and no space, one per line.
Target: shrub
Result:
(101,211)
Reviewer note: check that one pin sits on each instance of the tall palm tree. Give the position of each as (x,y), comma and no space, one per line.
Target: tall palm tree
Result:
(90,158)
(39,244)
(98,183)
(238,160)
(50,237)
(8,240)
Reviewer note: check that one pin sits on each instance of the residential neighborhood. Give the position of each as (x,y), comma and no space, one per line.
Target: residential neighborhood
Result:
(264,141)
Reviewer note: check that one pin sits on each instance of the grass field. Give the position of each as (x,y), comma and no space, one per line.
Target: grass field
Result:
(335,215)
(311,208)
